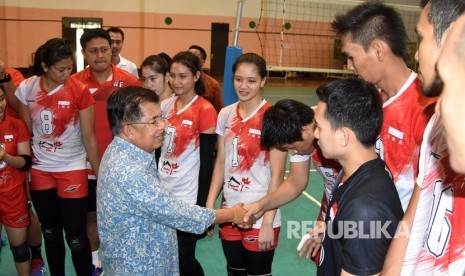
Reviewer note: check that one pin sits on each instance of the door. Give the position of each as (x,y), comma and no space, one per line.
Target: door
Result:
(72,29)
(69,35)
(219,42)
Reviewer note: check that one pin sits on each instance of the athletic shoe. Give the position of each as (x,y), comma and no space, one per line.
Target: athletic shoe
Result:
(37,267)
(97,271)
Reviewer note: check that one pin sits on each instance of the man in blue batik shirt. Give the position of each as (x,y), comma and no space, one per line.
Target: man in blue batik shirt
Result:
(137,218)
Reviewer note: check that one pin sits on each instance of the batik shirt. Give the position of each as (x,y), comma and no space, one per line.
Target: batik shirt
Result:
(137,218)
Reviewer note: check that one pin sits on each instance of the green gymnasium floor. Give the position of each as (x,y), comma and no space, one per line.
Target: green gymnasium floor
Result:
(295,215)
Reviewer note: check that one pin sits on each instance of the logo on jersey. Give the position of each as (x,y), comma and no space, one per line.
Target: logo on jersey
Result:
(239,186)
(22,218)
(8,137)
(333,211)
(379,147)
(5,177)
(169,168)
(72,188)
(255,131)
(187,123)
(63,104)
(47,146)
(250,238)
(93,90)
(436,156)
(395,135)
(118,83)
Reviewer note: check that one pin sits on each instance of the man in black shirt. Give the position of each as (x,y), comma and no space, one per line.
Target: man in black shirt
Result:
(363,212)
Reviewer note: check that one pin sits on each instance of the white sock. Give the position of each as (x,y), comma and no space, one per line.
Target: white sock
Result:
(95,258)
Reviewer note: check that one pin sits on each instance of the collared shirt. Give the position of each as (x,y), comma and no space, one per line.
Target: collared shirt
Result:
(128,65)
(137,218)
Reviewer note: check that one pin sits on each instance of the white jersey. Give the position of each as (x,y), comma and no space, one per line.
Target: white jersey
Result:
(437,241)
(128,66)
(57,140)
(247,172)
(179,162)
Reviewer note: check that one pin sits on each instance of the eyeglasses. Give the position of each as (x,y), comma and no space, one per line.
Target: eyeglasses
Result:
(155,121)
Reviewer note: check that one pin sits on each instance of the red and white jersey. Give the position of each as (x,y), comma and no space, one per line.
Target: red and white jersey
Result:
(404,121)
(101,92)
(329,170)
(57,140)
(247,171)
(179,162)
(437,240)
(13,131)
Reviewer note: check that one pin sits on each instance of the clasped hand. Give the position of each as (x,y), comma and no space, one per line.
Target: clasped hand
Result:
(238,219)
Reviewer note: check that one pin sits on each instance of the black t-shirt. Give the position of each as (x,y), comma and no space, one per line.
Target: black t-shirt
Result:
(362,218)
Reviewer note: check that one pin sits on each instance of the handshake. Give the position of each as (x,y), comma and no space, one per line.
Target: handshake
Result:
(244,216)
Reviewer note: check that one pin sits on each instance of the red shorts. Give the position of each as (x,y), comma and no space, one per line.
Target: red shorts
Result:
(70,184)
(249,237)
(14,212)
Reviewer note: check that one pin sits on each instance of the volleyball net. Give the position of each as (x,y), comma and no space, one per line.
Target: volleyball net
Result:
(296,35)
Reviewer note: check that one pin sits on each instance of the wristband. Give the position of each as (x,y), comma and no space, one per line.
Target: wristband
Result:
(6,78)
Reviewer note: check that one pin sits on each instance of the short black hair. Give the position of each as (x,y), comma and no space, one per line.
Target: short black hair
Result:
(442,13)
(374,20)
(90,34)
(115,30)
(124,106)
(202,51)
(283,123)
(355,104)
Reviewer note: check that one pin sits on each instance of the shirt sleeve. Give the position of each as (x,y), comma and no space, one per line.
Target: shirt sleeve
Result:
(221,122)
(166,209)
(207,116)
(16,76)
(299,158)
(364,252)
(21,92)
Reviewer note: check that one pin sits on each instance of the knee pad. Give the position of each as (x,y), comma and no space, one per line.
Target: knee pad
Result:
(21,253)
(78,243)
(52,234)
